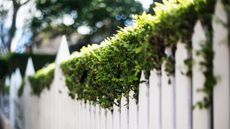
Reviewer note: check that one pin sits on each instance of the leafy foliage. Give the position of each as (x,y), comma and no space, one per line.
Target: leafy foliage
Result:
(42,79)
(105,73)
(102,16)
(9,63)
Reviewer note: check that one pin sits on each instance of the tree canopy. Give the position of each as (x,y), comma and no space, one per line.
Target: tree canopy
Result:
(101,17)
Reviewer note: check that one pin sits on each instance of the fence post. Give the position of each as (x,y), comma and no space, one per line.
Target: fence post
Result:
(221,97)
(183,89)
(154,100)
(201,117)
(143,121)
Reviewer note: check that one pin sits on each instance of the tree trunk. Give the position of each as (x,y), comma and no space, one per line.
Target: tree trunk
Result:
(12,30)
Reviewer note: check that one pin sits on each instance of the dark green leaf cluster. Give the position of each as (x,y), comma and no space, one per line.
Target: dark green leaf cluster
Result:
(9,63)
(42,79)
(105,73)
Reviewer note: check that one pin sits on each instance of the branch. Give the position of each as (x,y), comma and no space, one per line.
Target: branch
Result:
(25,2)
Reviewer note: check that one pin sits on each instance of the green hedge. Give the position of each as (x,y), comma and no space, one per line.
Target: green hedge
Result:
(9,63)
(105,73)
(42,79)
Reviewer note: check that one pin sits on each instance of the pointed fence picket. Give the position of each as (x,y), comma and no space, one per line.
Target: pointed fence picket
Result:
(201,117)
(143,103)
(221,69)
(183,89)
(27,98)
(124,113)
(155,100)
(133,112)
(116,117)
(165,101)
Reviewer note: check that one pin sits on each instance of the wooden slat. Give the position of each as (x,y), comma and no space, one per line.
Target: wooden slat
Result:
(168,100)
(221,69)
(183,89)
(116,117)
(154,100)
(124,113)
(133,119)
(143,104)
(201,118)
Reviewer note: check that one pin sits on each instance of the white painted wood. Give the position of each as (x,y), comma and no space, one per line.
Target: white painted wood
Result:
(102,118)
(154,100)
(143,114)
(66,119)
(97,121)
(221,68)
(63,51)
(133,119)
(168,100)
(12,99)
(183,89)
(29,68)
(93,116)
(201,118)
(27,95)
(109,122)
(18,106)
(124,113)
(80,109)
(87,111)
(116,117)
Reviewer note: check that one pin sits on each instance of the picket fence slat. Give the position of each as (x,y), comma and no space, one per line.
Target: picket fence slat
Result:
(124,113)
(133,121)
(201,117)
(102,118)
(116,117)
(183,89)
(155,100)
(109,122)
(98,117)
(143,121)
(168,100)
(221,69)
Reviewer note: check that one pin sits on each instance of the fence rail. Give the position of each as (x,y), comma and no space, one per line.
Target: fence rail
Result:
(165,102)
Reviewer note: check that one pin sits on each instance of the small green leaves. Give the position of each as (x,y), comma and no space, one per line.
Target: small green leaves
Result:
(42,79)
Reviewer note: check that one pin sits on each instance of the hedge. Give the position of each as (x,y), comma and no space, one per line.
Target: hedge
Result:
(104,73)
(9,63)
(42,79)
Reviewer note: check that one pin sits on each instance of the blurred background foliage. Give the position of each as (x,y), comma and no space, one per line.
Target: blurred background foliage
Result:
(101,17)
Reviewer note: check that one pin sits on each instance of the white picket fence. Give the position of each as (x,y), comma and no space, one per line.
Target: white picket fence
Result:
(162,105)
